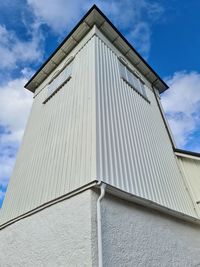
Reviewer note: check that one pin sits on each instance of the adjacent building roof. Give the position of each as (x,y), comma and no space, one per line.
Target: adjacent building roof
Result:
(95,17)
(186,152)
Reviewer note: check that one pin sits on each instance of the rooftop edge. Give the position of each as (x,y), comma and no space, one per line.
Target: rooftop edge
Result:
(32,84)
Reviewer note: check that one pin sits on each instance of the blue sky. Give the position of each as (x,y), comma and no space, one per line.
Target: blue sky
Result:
(166,33)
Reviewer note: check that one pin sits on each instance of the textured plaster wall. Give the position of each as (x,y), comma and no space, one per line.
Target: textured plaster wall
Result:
(60,235)
(135,236)
(65,234)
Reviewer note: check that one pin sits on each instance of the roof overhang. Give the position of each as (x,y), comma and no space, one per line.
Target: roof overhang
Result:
(95,17)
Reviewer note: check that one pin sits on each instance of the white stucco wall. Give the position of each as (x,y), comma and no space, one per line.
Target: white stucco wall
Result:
(60,235)
(136,236)
(65,234)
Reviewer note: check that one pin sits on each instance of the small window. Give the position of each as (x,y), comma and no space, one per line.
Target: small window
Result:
(122,69)
(54,76)
(143,89)
(128,76)
(60,79)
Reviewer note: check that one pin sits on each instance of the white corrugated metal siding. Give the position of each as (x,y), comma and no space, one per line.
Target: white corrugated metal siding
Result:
(191,170)
(134,152)
(95,127)
(57,154)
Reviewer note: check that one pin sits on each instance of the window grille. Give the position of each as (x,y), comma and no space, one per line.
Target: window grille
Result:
(60,79)
(128,76)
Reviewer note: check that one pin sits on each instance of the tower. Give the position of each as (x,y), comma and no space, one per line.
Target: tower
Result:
(98,167)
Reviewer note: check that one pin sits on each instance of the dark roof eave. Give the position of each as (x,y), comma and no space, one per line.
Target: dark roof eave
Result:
(94,7)
(61,44)
(135,51)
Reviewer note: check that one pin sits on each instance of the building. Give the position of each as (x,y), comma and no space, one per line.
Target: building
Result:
(98,180)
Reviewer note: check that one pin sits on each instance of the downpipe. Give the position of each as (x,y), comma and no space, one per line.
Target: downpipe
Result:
(99,228)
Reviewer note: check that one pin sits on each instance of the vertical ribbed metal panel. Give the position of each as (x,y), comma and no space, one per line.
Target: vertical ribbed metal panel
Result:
(95,126)
(134,152)
(58,152)
(191,170)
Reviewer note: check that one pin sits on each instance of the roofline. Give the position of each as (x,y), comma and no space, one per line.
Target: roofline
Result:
(127,42)
(61,44)
(117,31)
(186,152)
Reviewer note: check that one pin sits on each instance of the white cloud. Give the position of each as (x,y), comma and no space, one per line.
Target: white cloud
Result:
(13,50)
(58,15)
(137,30)
(15,103)
(182,106)
(136,21)
(128,12)
(141,35)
